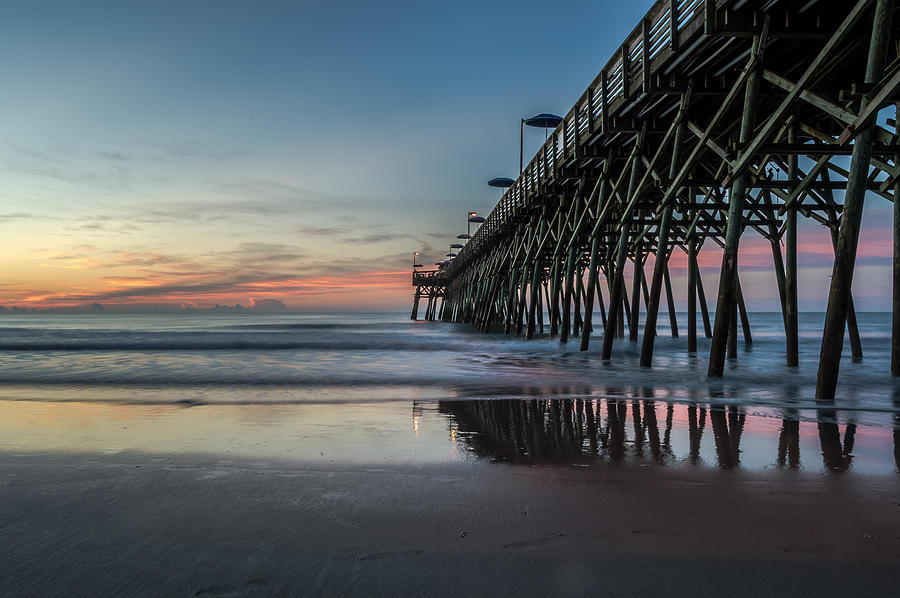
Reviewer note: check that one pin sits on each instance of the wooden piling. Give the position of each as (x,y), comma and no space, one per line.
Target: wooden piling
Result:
(701,296)
(634,323)
(415,308)
(791,322)
(692,295)
(567,298)
(736,200)
(670,302)
(593,284)
(851,216)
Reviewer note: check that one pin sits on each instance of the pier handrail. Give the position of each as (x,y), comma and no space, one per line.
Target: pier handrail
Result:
(667,25)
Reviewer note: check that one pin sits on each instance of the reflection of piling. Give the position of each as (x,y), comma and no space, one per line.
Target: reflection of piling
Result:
(573,430)
(789,443)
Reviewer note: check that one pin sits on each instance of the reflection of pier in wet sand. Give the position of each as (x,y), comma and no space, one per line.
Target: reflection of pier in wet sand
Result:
(617,430)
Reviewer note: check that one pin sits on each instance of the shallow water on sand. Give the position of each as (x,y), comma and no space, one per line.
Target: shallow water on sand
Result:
(364,386)
(372,357)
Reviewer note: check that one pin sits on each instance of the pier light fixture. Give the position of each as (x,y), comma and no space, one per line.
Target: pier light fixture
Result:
(416,263)
(541,121)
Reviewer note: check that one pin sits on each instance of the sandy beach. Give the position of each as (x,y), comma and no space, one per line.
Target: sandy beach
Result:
(188,526)
(383,518)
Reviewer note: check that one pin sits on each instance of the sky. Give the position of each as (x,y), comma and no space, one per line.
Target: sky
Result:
(273,153)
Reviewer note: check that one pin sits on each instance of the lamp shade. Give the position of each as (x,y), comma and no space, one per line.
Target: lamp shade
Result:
(544,121)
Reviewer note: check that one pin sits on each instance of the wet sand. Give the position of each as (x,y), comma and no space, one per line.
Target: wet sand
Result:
(193,526)
(460,498)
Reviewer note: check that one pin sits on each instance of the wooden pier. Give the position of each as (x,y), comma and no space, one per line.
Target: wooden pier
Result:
(430,284)
(714,118)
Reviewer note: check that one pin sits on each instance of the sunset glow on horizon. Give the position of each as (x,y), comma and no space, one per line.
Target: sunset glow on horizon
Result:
(190,155)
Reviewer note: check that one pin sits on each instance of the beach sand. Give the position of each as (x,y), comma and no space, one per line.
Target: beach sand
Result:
(182,523)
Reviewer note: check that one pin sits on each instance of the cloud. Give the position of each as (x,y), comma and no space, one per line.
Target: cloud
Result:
(267,305)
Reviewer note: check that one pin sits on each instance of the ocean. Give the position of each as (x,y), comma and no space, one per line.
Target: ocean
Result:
(89,381)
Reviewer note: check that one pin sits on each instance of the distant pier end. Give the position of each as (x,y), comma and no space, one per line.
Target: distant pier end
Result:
(431,284)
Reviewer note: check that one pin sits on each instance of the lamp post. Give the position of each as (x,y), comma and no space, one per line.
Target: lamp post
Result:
(416,263)
(541,121)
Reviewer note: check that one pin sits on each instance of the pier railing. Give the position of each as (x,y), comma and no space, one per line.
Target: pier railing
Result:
(668,26)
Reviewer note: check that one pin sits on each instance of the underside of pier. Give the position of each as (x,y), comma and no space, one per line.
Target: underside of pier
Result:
(713,119)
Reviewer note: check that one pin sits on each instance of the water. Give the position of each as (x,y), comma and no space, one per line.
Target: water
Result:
(265,374)
(351,357)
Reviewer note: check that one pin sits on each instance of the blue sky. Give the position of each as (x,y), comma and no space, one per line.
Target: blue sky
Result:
(207,151)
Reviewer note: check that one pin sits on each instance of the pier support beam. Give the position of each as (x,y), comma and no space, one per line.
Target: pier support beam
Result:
(415,308)
(593,283)
(791,323)
(895,307)
(692,295)
(670,302)
(848,237)
(567,297)
(635,321)
(701,296)
(736,200)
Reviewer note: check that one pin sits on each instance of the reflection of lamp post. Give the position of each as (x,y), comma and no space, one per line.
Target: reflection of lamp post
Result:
(541,121)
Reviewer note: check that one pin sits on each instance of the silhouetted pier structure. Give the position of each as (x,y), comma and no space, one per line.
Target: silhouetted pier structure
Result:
(714,117)
(430,284)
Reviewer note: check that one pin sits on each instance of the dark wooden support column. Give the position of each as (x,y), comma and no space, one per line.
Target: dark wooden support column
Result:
(601,304)
(670,303)
(701,296)
(617,292)
(661,265)
(848,237)
(789,301)
(567,297)
(895,305)
(791,321)
(415,307)
(742,311)
(535,293)
(692,295)
(856,352)
(634,322)
(616,300)
(512,305)
(593,276)
(732,331)
(665,225)
(736,200)
(579,291)
(523,288)
(540,309)
(547,299)
(552,304)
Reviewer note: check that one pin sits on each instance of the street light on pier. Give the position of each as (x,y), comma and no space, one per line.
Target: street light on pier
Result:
(541,121)
(416,263)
